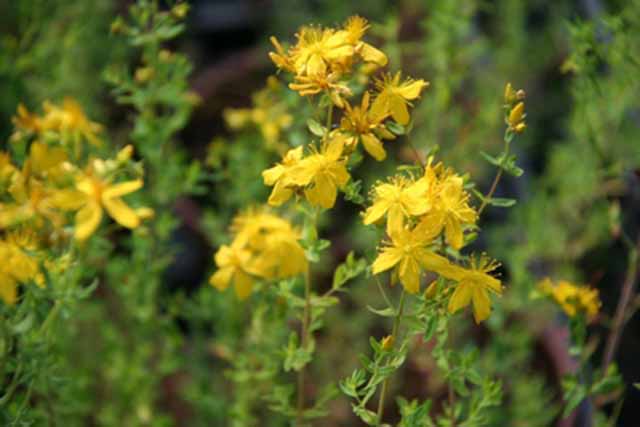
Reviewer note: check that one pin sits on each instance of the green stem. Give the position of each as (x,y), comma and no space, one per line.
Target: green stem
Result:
(496,180)
(329,120)
(394,334)
(306,320)
(53,313)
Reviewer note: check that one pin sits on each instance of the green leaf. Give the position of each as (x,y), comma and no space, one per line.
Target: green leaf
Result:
(349,269)
(385,312)
(501,202)
(494,161)
(315,128)
(396,128)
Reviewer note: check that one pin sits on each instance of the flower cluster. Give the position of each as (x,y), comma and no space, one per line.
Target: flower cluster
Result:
(264,246)
(321,63)
(572,298)
(36,195)
(418,211)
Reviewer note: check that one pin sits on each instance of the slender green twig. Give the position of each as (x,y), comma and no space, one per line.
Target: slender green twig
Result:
(394,335)
(496,179)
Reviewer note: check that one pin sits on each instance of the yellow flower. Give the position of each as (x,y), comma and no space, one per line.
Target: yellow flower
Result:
(27,121)
(93,194)
(70,118)
(322,173)
(355,28)
(265,246)
(408,252)
(20,264)
(387,342)
(273,242)
(277,177)
(453,208)
(399,198)
(32,201)
(320,50)
(362,125)
(474,286)
(572,298)
(232,268)
(394,97)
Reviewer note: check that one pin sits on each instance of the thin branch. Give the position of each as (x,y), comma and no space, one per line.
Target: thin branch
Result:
(628,289)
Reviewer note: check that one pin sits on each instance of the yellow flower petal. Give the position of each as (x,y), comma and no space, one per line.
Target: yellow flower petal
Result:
(461,297)
(411,90)
(409,273)
(453,232)
(481,304)
(386,260)
(399,111)
(280,194)
(221,278)
(87,220)
(371,54)
(121,189)
(376,211)
(120,212)
(373,146)
(243,284)
(323,192)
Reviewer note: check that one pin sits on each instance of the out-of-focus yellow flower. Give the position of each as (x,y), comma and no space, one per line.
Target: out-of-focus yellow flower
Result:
(269,114)
(32,202)
(408,252)
(474,286)
(277,177)
(27,121)
(362,125)
(399,198)
(572,298)
(322,173)
(70,118)
(92,195)
(264,246)
(395,95)
(20,264)
(232,268)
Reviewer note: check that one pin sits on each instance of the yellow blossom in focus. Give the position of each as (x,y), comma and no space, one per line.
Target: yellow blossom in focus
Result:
(408,252)
(452,209)
(399,198)
(474,286)
(322,173)
(572,298)
(395,95)
(362,125)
